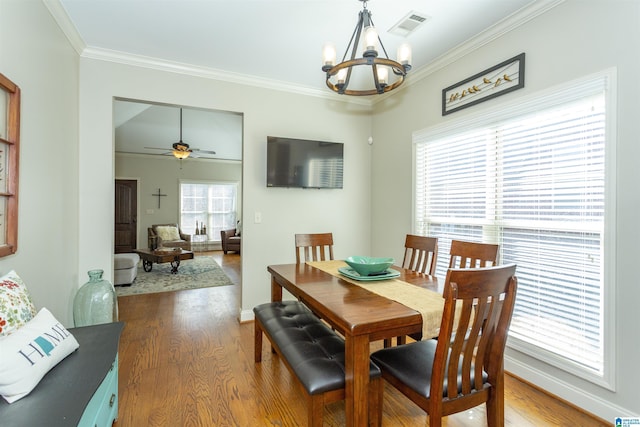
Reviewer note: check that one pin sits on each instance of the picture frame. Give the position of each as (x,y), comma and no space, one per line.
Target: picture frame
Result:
(498,80)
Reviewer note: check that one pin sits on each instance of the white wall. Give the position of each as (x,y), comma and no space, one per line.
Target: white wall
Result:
(572,40)
(266,112)
(47,256)
(165,173)
(66,179)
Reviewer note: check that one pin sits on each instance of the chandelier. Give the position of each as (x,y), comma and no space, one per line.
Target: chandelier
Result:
(338,76)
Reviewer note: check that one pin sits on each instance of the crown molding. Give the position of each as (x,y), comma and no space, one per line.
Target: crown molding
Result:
(492,33)
(501,28)
(60,15)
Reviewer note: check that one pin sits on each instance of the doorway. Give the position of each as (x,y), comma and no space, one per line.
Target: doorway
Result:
(144,137)
(126,216)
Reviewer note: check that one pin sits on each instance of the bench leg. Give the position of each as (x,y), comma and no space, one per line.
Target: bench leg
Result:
(315,410)
(376,389)
(257,341)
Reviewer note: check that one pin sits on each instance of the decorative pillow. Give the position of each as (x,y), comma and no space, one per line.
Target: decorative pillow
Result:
(16,307)
(238,228)
(30,352)
(167,232)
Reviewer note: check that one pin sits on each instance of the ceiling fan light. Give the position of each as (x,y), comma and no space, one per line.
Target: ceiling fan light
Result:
(178,154)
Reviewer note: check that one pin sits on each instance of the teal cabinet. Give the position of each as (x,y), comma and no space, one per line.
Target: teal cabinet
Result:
(102,409)
(82,390)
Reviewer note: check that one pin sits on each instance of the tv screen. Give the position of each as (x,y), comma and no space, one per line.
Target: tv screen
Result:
(303,163)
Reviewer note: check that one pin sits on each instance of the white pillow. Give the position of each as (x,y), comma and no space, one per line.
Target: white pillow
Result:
(168,233)
(30,352)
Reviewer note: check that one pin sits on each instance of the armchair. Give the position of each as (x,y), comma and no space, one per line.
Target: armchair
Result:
(230,240)
(168,236)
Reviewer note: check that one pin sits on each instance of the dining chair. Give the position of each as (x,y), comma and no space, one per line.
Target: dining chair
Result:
(464,255)
(463,367)
(472,254)
(420,254)
(314,247)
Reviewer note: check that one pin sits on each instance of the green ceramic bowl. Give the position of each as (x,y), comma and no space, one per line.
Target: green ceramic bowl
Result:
(368,266)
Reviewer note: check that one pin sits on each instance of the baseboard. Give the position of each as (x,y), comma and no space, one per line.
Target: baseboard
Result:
(246,315)
(600,408)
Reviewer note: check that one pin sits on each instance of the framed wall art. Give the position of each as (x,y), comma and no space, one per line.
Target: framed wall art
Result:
(503,78)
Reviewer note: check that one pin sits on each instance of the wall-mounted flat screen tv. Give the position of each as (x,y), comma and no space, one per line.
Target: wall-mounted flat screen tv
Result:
(304,163)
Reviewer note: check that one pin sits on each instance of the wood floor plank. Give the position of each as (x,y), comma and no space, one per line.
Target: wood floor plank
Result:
(185,360)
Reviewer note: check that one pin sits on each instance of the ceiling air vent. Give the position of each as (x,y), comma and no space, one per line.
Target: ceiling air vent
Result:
(409,23)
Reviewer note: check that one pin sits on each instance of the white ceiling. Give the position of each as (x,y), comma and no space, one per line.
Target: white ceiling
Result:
(277,42)
(152,129)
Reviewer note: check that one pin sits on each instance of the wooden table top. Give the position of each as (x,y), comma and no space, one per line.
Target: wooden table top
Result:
(349,307)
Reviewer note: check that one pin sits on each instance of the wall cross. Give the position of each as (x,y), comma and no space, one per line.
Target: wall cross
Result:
(158,195)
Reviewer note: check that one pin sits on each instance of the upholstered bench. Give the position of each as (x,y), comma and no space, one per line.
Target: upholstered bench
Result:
(125,268)
(314,354)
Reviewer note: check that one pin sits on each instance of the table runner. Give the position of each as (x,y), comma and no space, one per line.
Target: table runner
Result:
(428,303)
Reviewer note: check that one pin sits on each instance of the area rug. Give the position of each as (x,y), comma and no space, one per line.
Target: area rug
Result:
(200,272)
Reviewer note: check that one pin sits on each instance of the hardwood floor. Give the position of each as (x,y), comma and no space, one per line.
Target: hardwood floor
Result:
(185,360)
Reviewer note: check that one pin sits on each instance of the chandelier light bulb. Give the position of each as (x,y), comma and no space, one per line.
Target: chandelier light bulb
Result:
(370,39)
(404,55)
(342,76)
(383,75)
(328,56)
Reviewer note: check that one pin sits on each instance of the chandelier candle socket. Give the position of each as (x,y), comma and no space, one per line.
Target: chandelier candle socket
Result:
(338,76)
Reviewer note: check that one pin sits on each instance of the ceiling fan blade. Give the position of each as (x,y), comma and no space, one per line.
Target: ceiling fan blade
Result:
(203,151)
(157,148)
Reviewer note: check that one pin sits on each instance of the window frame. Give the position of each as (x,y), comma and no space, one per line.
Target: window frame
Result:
(12,161)
(211,236)
(547,98)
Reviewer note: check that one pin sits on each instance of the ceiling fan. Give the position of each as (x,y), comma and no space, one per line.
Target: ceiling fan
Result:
(180,149)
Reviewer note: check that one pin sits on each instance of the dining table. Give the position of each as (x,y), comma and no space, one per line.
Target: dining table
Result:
(363,311)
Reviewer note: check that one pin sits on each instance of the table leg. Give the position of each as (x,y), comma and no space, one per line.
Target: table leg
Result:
(174,265)
(357,380)
(276,290)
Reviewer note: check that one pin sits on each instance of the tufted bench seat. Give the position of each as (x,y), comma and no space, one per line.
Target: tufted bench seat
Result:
(313,353)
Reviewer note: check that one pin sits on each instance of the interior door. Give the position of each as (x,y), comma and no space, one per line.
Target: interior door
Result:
(126,215)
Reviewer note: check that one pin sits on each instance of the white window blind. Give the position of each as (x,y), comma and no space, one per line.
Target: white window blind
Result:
(211,203)
(534,183)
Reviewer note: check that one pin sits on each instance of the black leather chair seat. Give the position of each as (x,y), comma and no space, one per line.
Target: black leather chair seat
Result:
(401,362)
(313,351)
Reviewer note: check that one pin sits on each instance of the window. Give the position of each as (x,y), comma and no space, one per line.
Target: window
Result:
(533,180)
(9,153)
(211,204)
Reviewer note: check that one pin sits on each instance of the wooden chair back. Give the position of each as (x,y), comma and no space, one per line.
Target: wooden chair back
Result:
(420,254)
(473,343)
(463,367)
(472,254)
(314,247)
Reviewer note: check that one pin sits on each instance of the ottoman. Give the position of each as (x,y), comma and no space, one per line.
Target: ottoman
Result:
(125,268)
